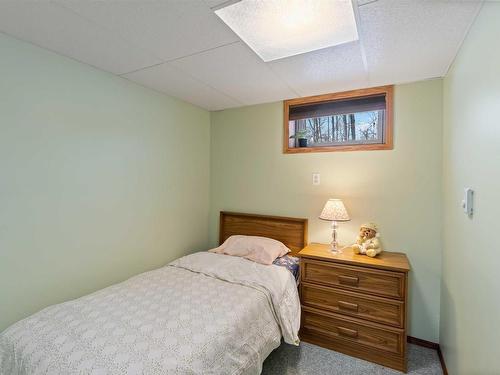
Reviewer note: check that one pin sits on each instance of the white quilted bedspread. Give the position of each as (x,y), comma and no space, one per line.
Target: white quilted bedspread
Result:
(202,314)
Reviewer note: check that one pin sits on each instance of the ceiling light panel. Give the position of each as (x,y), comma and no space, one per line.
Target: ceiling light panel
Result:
(275,29)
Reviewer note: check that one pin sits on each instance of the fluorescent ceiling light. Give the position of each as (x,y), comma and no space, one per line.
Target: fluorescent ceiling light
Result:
(280,28)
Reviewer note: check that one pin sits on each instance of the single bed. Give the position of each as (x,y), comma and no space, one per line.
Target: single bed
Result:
(204,313)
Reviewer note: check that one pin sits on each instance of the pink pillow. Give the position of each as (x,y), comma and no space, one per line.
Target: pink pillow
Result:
(259,249)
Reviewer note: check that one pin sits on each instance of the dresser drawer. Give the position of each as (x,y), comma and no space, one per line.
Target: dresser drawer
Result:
(333,328)
(363,279)
(376,309)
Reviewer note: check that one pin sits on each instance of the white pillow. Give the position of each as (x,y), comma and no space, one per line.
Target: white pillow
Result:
(259,249)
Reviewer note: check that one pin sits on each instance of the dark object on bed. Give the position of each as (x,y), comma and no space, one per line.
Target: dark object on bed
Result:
(291,263)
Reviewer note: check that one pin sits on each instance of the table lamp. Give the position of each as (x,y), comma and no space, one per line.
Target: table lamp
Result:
(334,211)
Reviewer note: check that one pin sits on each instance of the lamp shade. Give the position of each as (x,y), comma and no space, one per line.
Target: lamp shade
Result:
(334,210)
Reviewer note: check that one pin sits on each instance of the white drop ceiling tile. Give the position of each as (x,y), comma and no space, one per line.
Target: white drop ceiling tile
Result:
(408,40)
(333,69)
(238,72)
(169,28)
(171,81)
(57,29)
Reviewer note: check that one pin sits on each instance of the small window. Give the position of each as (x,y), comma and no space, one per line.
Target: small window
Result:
(347,121)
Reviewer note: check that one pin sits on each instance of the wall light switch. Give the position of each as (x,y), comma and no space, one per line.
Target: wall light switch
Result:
(467,203)
(316,179)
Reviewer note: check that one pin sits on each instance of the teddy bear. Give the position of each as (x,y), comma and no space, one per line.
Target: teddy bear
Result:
(368,241)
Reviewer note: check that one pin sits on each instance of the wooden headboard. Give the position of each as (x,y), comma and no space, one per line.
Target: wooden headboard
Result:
(291,231)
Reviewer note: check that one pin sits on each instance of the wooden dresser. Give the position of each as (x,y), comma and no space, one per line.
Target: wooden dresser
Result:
(355,304)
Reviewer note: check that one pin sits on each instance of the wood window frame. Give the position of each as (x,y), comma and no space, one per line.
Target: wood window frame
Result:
(353,94)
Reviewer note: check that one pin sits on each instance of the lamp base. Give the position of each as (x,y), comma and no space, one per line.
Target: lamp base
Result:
(335,249)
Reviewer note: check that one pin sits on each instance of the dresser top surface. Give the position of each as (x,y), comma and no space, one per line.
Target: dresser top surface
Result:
(386,260)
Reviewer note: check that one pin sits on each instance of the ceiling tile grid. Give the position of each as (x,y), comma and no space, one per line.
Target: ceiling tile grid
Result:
(181,48)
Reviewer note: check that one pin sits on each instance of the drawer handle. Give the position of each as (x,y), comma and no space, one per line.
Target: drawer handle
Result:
(349,280)
(347,332)
(348,306)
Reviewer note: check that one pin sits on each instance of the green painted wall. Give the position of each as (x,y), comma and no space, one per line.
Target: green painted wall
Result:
(400,189)
(470,304)
(100,179)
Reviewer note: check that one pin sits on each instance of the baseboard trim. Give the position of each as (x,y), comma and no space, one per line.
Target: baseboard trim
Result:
(424,343)
(441,359)
(430,345)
